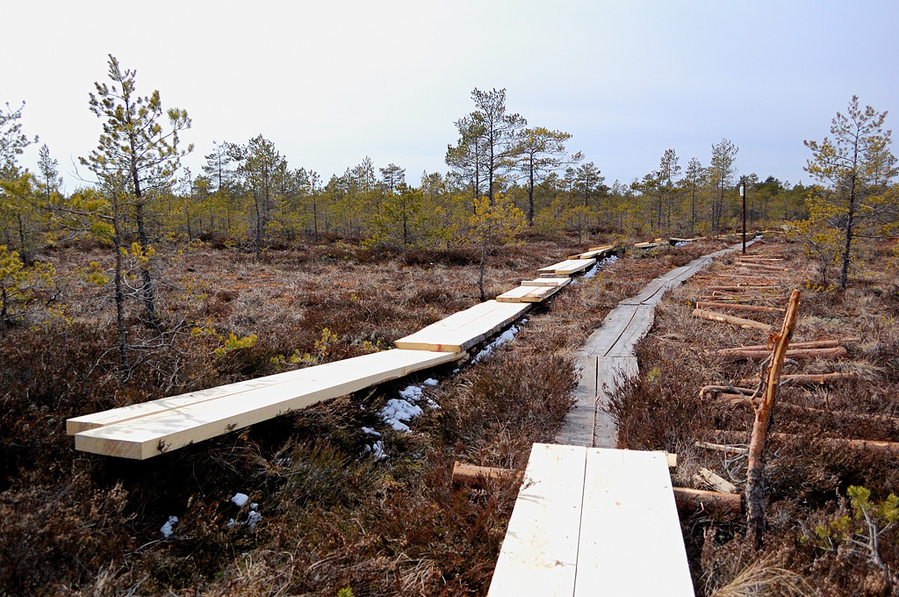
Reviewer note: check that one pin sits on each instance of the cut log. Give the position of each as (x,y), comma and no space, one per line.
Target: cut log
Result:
(721,448)
(882,448)
(738,321)
(812,344)
(719,505)
(740,287)
(737,306)
(837,352)
(715,481)
(811,378)
(478,476)
(820,413)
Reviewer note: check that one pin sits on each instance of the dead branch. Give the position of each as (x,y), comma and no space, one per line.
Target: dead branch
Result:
(755,492)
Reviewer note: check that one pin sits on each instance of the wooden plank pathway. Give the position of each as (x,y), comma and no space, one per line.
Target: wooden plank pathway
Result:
(606,359)
(460,331)
(569,267)
(142,437)
(592,521)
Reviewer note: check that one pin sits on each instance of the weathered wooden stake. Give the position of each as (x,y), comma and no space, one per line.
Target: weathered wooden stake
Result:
(755,478)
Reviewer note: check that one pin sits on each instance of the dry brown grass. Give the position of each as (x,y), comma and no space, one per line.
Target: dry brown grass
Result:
(806,478)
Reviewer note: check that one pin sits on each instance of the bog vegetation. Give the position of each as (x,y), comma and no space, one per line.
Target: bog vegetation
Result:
(150,280)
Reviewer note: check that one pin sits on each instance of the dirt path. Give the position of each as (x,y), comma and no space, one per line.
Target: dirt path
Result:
(607,359)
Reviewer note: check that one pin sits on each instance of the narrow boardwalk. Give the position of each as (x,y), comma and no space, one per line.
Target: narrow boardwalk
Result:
(607,358)
(592,521)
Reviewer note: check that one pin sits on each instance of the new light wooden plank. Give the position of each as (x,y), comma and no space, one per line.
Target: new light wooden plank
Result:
(528,294)
(548,281)
(540,550)
(569,267)
(155,434)
(460,331)
(630,537)
(593,253)
(152,407)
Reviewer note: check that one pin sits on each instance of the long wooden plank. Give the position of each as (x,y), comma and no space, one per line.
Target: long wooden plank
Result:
(594,253)
(569,267)
(627,498)
(460,331)
(155,434)
(152,407)
(528,294)
(548,281)
(540,551)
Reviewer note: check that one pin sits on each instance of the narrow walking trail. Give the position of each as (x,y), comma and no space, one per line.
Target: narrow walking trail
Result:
(607,359)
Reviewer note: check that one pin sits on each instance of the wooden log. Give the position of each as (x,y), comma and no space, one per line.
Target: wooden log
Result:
(881,448)
(738,321)
(811,344)
(811,378)
(721,448)
(755,492)
(737,306)
(720,505)
(479,476)
(721,389)
(715,481)
(837,352)
(820,413)
(741,287)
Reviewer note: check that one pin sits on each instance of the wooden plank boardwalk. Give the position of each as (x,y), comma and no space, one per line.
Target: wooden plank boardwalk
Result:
(592,521)
(159,430)
(569,267)
(460,331)
(606,359)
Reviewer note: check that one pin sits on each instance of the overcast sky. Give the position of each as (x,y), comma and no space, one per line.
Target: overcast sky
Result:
(333,81)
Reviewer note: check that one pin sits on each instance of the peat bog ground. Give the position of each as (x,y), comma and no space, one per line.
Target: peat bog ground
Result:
(337,500)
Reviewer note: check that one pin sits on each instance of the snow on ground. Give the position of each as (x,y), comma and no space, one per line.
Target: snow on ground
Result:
(596,268)
(397,410)
(168,528)
(253,516)
(506,336)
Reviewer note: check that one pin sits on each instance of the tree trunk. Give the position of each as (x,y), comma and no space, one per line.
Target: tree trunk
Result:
(850,220)
(120,309)
(755,478)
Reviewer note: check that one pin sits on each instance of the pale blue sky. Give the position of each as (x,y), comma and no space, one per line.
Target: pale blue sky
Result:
(331,82)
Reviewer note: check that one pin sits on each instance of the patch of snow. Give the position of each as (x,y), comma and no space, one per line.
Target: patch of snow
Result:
(240,499)
(376,450)
(396,411)
(682,243)
(370,431)
(411,394)
(506,336)
(430,382)
(168,528)
(253,519)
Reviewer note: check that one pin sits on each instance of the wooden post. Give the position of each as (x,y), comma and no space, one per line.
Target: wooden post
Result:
(755,488)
